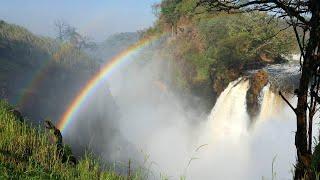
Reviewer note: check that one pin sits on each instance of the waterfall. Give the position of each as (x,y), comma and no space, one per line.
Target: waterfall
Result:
(219,146)
(237,152)
(271,104)
(229,116)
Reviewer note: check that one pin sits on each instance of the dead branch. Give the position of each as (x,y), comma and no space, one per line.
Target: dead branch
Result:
(289,104)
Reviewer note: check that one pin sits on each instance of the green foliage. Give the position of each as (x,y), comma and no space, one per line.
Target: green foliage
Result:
(237,39)
(169,12)
(15,35)
(26,153)
(67,56)
(22,47)
(187,7)
(224,41)
(24,55)
(315,163)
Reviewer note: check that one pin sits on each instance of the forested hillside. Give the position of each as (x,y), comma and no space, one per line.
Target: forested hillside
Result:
(115,44)
(40,72)
(211,49)
(41,76)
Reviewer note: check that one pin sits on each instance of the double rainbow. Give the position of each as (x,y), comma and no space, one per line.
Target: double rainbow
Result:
(102,75)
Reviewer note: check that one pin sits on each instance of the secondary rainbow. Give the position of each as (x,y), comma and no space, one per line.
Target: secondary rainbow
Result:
(33,84)
(102,75)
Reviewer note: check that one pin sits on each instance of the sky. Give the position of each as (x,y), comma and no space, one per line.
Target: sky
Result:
(95,18)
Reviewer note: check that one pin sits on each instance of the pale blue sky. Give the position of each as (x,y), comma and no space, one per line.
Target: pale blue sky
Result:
(95,18)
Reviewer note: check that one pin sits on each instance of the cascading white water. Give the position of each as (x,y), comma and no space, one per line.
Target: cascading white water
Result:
(225,132)
(271,104)
(229,148)
(236,152)
(272,137)
(229,118)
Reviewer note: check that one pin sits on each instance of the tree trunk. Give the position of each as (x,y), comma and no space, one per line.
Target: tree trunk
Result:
(301,139)
(301,112)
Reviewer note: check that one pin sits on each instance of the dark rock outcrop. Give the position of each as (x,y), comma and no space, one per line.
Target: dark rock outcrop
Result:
(17,115)
(221,80)
(63,152)
(257,81)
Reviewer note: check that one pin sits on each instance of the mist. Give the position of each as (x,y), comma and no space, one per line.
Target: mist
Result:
(161,132)
(201,102)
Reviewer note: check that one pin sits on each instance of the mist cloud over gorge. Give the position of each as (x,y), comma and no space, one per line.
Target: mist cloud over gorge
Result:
(153,121)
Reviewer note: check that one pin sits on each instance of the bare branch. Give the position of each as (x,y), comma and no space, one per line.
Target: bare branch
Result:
(257,5)
(301,46)
(289,104)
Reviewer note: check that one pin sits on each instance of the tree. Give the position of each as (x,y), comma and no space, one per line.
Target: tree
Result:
(60,27)
(68,33)
(304,17)
(171,16)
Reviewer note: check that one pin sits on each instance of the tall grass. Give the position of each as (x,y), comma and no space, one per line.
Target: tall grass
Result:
(26,153)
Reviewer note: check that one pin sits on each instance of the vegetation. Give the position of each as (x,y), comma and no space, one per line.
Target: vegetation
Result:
(26,153)
(18,44)
(58,68)
(302,16)
(207,47)
(114,44)
(41,76)
(214,48)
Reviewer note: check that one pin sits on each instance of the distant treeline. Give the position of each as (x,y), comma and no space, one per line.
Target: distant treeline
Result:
(42,75)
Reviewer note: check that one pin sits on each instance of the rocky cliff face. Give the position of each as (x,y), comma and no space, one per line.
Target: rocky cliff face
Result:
(221,80)
(257,81)
(281,77)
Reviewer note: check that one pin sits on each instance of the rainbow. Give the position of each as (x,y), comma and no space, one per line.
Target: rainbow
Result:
(33,84)
(101,76)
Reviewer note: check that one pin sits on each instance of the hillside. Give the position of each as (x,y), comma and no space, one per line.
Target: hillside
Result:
(40,76)
(27,153)
(40,72)
(115,44)
(211,49)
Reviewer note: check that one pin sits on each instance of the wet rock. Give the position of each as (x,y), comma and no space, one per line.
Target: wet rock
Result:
(17,115)
(284,77)
(56,137)
(63,152)
(221,80)
(257,81)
